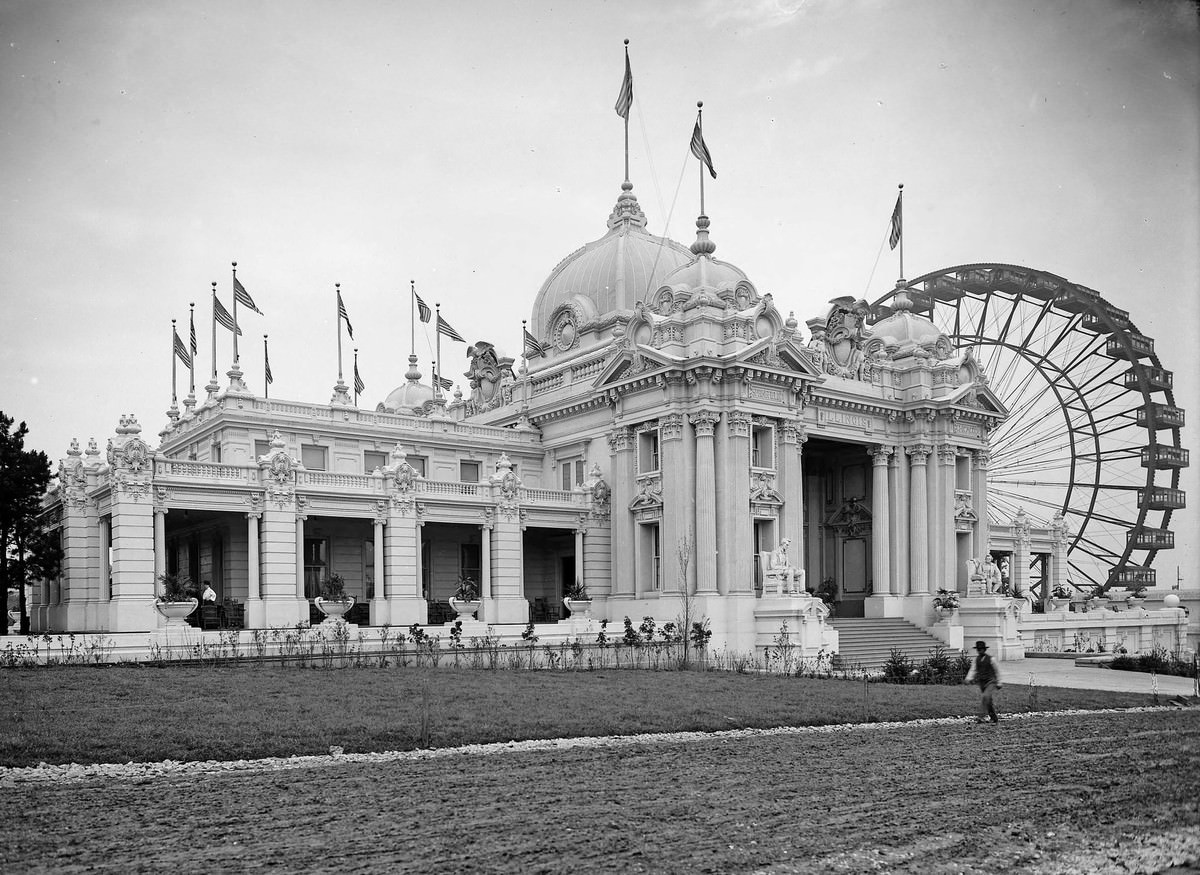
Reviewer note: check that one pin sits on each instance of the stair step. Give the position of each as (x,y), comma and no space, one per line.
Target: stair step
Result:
(869,642)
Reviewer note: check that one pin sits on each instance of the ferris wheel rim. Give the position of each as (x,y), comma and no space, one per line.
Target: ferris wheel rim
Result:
(1093,303)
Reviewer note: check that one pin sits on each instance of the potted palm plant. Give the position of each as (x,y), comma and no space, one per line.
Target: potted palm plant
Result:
(465,601)
(945,603)
(177,599)
(577,600)
(333,601)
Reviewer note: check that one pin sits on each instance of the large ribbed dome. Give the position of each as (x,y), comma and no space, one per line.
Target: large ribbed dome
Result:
(606,276)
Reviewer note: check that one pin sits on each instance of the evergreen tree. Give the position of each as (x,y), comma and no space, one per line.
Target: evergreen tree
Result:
(27,553)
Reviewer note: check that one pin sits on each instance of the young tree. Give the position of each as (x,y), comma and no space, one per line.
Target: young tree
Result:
(26,552)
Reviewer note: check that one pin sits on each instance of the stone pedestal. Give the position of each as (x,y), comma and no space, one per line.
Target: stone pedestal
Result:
(806,624)
(993,620)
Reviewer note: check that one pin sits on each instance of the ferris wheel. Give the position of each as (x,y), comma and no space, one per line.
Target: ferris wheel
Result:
(1093,432)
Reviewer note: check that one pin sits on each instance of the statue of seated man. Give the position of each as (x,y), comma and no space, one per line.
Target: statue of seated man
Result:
(780,568)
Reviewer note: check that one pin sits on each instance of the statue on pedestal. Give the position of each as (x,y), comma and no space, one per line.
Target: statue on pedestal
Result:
(778,567)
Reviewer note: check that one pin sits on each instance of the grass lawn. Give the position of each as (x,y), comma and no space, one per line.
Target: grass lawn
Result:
(98,714)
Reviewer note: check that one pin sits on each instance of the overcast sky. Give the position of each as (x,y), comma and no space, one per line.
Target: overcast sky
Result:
(470,146)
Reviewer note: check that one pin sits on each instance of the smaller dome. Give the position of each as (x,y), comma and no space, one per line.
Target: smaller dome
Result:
(706,272)
(410,396)
(904,331)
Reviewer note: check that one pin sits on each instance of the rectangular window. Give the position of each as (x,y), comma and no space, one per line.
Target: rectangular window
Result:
(762,447)
(316,565)
(373,460)
(313,457)
(261,448)
(648,451)
(468,472)
(572,474)
(216,453)
(655,558)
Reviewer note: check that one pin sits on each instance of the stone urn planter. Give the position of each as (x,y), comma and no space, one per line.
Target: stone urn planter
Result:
(946,614)
(334,609)
(1059,606)
(578,607)
(176,612)
(465,608)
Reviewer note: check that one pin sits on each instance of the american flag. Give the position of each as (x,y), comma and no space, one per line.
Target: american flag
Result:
(343,315)
(243,297)
(897,221)
(444,382)
(625,98)
(181,350)
(267,362)
(221,316)
(422,308)
(531,344)
(359,385)
(192,318)
(443,327)
(700,150)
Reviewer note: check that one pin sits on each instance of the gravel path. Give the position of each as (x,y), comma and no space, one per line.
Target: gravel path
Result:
(1075,792)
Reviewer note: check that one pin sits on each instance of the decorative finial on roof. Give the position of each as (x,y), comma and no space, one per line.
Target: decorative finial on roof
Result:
(703,246)
(902,302)
(413,375)
(627,210)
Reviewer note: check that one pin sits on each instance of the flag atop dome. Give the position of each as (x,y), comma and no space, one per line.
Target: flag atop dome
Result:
(625,98)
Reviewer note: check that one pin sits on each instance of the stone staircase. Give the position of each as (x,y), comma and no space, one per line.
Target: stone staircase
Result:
(868,643)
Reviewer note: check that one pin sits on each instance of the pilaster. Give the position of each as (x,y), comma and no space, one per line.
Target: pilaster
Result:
(881,552)
(948,558)
(738,550)
(791,475)
(704,556)
(898,517)
(621,442)
(678,485)
(980,460)
(133,585)
(919,534)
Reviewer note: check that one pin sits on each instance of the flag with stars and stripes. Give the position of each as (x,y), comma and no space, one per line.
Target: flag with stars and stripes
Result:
(897,222)
(342,314)
(443,327)
(700,150)
(243,297)
(222,317)
(181,350)
(422,308)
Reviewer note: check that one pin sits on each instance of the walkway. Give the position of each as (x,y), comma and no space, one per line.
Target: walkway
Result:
(1065,673)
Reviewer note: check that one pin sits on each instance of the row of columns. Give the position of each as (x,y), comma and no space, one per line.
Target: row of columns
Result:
(914,536)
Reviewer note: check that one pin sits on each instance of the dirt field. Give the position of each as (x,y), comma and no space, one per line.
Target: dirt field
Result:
(1085,793)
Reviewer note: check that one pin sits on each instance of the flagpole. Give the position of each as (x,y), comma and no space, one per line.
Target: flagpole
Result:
(437,383)
(356,376)
(525,343)
(412,317)
(266,370)
(338,288)
(700,125)
(214,333)
(235,325)
(626,137)
(192,329)
(174,356)
(901,232)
